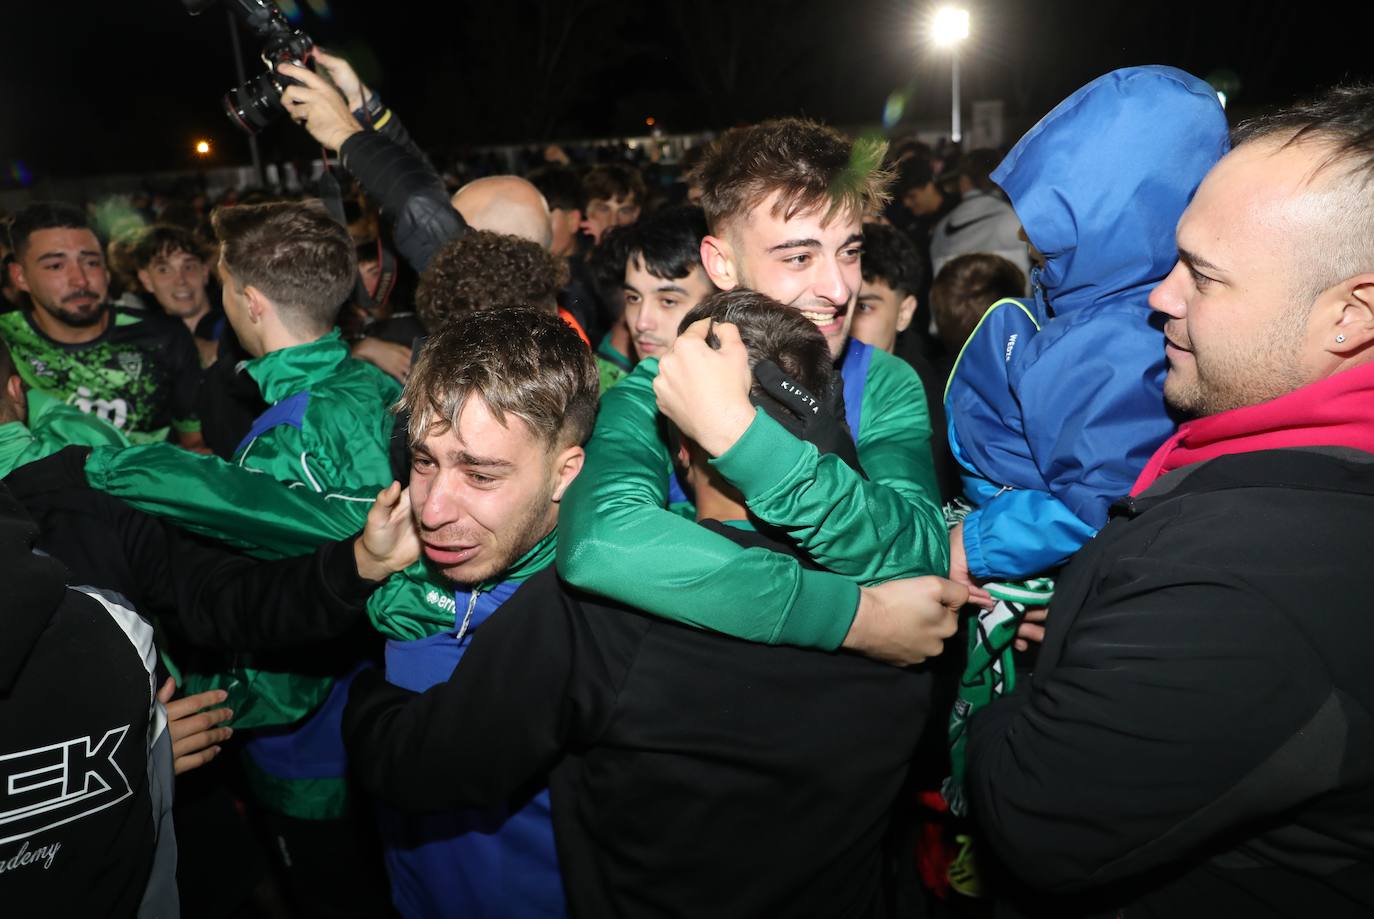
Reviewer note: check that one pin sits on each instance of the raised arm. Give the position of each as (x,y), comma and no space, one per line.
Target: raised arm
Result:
(220,600)
(379,153)
(617,539)
(886,526)
(880,528)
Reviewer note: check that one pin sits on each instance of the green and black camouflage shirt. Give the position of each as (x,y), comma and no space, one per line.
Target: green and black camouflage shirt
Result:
(140,375)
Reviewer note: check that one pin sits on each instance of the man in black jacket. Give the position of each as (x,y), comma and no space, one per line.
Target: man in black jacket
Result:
(1198,737)
(85,750)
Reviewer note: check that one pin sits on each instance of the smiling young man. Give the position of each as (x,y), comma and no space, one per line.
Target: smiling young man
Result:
(1196,738)
(137,371)
(173,267)
(784,202)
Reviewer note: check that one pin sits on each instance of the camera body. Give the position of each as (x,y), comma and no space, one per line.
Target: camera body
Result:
(257,103)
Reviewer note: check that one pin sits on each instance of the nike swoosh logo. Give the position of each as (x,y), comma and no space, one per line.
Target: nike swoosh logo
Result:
(952,228)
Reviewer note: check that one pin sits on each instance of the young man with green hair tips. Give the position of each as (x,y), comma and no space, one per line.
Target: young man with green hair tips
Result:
(784,202)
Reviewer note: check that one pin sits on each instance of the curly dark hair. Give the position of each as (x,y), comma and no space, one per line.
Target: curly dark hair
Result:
(483,270)
(161,240)
(891,257)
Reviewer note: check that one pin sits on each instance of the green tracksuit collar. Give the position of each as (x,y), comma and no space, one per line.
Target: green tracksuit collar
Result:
(609,352)
(418,602)
(539,557)
(17,446)
(291,370)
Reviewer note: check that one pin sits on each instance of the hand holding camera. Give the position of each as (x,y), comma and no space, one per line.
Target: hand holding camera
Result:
(318,105)
(259,101)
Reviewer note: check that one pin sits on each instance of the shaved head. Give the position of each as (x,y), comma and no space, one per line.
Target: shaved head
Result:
(1336,130)
(506,204)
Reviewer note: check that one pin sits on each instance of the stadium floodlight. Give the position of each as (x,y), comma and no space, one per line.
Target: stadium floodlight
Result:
(950,27)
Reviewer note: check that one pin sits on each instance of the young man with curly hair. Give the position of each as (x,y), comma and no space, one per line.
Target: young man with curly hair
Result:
(482,271)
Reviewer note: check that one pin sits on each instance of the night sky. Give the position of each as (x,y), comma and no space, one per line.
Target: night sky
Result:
(106,87)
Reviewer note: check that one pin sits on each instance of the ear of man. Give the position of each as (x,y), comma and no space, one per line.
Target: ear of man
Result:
(567,464)
(17,276)
(259,307)
(718,258)
(905,311)
(1344,316)
(13,405)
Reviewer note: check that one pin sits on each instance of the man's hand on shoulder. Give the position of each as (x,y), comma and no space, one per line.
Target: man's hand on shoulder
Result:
(318,107)
(705,390)
(389,542)
(905,622)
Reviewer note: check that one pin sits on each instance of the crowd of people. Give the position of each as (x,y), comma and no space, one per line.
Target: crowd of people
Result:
(834,529)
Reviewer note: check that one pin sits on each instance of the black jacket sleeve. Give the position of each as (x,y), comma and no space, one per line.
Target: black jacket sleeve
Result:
(400,179)
(204,594)
(220,599)
(1184,705)
(500,721)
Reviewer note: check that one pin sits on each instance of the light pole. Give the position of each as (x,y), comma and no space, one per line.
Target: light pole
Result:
(949,28)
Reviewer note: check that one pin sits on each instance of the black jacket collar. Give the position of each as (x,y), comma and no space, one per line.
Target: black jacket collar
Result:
(1339,469)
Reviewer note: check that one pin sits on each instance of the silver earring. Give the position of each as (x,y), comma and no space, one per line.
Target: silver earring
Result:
(1339,339)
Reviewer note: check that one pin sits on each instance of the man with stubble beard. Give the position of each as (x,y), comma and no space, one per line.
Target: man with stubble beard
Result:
(136,371)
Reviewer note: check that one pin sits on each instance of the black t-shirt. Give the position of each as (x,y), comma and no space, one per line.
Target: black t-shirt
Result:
(140,375)
(692,774)
(229,400)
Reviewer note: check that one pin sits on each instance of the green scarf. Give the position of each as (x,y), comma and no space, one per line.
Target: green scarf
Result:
(990,672)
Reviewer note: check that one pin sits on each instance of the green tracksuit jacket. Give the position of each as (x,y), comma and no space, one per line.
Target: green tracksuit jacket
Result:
(52,425)
(328,427)
(616,538)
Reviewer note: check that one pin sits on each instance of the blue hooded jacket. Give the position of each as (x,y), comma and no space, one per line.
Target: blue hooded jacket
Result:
(1056,403)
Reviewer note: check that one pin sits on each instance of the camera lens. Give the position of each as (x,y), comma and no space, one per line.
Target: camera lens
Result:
(255,104)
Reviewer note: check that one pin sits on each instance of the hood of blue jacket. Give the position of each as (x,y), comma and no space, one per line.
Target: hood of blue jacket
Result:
(1092,192)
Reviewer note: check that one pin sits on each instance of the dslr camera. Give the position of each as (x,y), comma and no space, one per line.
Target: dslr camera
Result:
(257,103)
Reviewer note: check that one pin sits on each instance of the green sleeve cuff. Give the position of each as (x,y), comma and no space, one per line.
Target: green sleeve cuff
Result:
(822,612)
(98,466)
(186,426)
(762,458)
